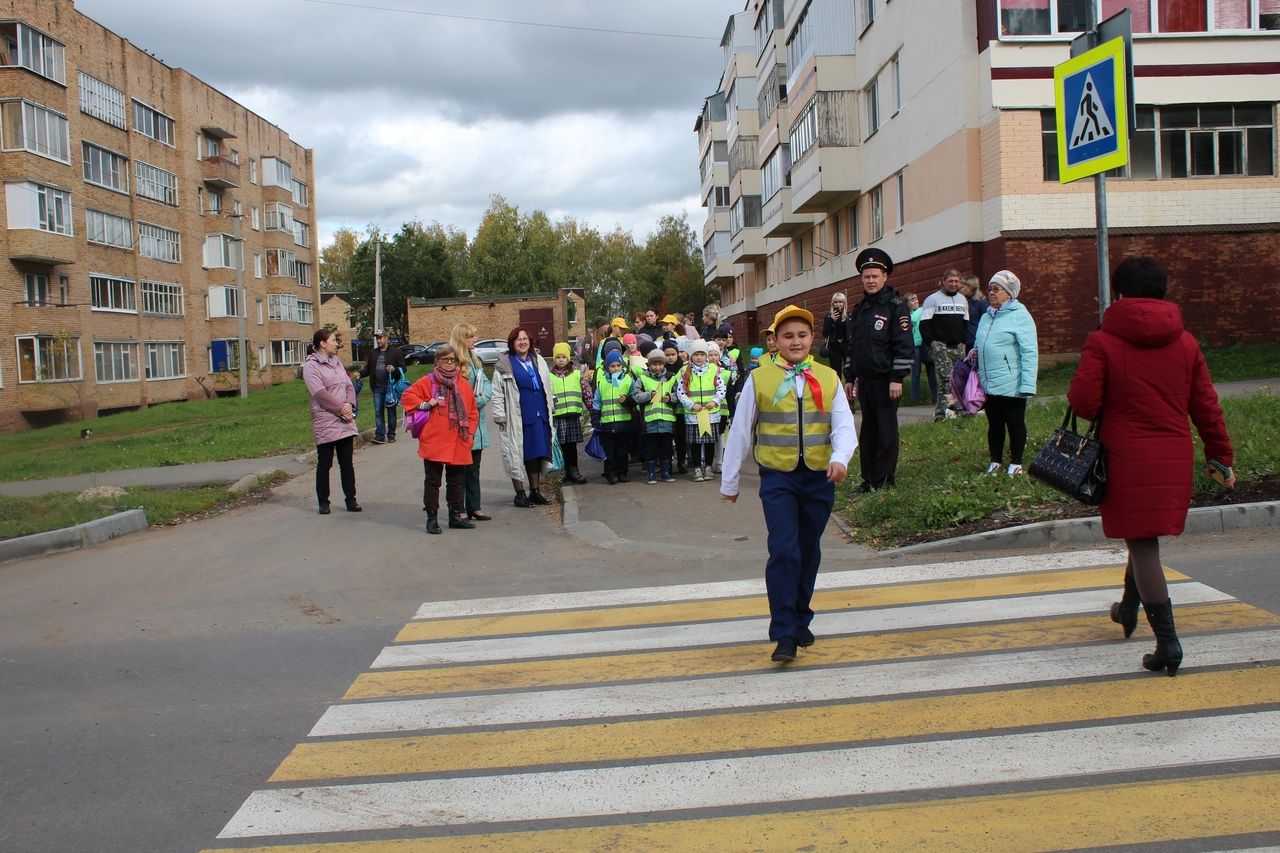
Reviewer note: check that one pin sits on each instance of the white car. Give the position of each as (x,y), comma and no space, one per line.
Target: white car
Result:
(490,350)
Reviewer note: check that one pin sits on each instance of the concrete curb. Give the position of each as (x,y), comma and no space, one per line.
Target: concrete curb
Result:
(249,482)
(73,538)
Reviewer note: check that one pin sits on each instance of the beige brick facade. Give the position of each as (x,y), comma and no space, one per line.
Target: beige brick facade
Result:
(495,316)
(215,150)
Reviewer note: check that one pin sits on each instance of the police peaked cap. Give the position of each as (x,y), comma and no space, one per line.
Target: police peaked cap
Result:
(874,258)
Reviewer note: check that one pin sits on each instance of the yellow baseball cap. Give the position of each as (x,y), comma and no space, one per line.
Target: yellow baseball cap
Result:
(671,318)
(791,312)
(618,321)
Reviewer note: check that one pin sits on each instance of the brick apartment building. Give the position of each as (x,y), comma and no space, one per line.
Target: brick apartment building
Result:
(926,129)
(549,317)
(134,196)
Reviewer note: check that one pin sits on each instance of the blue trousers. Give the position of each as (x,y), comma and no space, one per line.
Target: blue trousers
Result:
(797,506)
(383,414)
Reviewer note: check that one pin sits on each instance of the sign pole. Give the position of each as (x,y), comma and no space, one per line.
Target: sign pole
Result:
(1100,199)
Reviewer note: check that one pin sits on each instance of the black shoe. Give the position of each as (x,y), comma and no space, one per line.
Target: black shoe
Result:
(477,515)
(1168,653)
(1125,611)
(785,651)
(522,500)
(377,439)
(433,523)
(682,470)
(624,477)
(391,439)
(864,489)
(804,638)
(610,479)
(352,506)
(324,509)
(458,520)
(537,497)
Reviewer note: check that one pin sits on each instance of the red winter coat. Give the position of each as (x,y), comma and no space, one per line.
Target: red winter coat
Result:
(439,442)
(1146,374)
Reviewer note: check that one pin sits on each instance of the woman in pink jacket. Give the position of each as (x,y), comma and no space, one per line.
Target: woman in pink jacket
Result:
(333,417)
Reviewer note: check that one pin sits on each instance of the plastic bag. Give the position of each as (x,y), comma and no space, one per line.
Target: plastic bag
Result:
(395,388)
(595,447)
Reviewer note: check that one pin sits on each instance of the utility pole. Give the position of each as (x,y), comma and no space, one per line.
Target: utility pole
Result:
(241,320)
(1100,193)
(377,286)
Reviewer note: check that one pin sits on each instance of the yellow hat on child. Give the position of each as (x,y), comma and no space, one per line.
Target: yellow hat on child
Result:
(619,322)
(561,349)
(792,312)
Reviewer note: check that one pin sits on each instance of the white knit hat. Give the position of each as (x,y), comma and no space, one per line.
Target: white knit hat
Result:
(1008,282)
(697,347)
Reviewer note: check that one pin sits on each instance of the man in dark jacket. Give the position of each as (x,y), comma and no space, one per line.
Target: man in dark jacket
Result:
(881,349)
(381,366)
(944,318)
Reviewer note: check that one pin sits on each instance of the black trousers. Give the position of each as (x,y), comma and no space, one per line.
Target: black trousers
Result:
(682,451)
(570,453)
(617,451)
(658,446)
(453,476)
(1006,413)
(878,438)
(471,483)
(343,449)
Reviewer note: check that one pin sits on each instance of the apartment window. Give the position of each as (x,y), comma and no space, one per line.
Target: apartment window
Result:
(32,205)
(31,127)
(721,196)
(804,130)
(877,214)
(112,294)
(224,301)
(223,251)
(261,314)
(766,23)
(115,361)
(286,352)
(105,168)
(853,226)
(213,203)
(902,201)
(306,312)
(34,51)
(210,145)
(234,156)
(797,246)
(836,235)
(869,13)
(300,193)
(257,265)
(108,230)
(303,271)
(151,122)
(872,97)
(161,299)
(224,355)
(36,288)
(155,183)
(277,173)
(301,233)
(281,262)
(279,217)
(1045,17)
(282,307)
(253,170)
(254,222)
(776,173)
(48,358)
(800,45)
(103,102)
(745,213)
(166,360)
(163,244)
(895,80)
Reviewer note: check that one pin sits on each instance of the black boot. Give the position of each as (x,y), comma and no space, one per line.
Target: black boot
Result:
(1168,653)
(1125,611)
(433,525)
(522,500)
(538,498)
(459,520)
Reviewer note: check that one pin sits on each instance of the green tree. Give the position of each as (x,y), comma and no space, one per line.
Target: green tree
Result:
(495,252)
(668,272)
(335,260)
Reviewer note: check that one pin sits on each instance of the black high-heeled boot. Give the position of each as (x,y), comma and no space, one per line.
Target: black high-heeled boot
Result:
(1125,611)
(1168,653)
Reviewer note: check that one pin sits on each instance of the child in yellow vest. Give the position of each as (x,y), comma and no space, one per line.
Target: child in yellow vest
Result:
(701,390)
(569,395)
(613,404)
(654,392)
(794,414)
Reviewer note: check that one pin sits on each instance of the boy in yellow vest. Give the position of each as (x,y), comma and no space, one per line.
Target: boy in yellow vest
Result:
(612,402)
(655,391)
(569,395)
(794,414)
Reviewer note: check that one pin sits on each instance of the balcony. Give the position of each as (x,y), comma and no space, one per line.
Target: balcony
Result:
(825,173)
(779,220)
(220,173)
(41,247)
(747,246)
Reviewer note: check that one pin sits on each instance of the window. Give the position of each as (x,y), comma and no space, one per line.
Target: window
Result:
(105,168)
(836,236)
(224,355)
(1045,17)
(161,299)
(34,51)
(261,315)
(223,251)
(797,245)
(745,213)
(277,173)
(101,101)
(800,45)
(224,301)
(306,312)
(257,265)
(279,217)
(286,352)
(281,262)
(156,184)
(303,271)
(166,360)
(31,127)
(868,13)
(254,222)
(895,80)
(48,358)
(112,294)
(301,233)
(804,130)
(108,230)
(570,311)
(115,361)
(213,203)
(163,244)
(36,206)
(152,122)
(253,170)
(853,226)
(282,306)
(902,202)
(776,173)
(1184,141)
(36,288)
(300,193)
(872,96)
(877,214)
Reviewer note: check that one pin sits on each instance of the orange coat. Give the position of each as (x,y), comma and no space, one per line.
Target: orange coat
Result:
(438,442)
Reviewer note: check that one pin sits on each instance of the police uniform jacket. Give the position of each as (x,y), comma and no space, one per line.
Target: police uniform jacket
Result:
(879,337)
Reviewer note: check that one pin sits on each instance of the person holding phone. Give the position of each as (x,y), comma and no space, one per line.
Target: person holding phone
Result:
(835,333)
(1144,375)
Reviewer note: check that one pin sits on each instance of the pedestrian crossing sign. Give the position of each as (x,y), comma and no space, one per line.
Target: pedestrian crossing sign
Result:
(1092,112)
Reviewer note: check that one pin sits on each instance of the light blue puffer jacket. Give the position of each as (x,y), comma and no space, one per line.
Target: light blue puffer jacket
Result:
(1008,353)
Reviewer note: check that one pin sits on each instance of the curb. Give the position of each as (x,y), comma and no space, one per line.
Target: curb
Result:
(73,538)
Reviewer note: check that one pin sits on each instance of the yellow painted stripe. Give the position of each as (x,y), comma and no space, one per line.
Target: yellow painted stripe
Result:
(738,608)
(640,740)
(1119,815)
(748,657)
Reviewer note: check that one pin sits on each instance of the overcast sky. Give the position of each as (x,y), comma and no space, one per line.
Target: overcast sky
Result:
(416,115)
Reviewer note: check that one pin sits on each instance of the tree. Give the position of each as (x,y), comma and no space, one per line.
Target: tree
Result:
(495,251)
(668,272)
(335,260)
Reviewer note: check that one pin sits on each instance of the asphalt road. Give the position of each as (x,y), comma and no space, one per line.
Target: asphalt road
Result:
(151,683)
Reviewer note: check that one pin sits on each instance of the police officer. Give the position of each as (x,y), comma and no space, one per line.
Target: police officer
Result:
(881,349)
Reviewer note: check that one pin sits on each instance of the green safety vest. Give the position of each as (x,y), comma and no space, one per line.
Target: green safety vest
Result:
(658,409)
(702,388)
(566,393)
(611,408)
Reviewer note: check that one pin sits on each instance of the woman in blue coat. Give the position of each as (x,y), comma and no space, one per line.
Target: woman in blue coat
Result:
(1008,359)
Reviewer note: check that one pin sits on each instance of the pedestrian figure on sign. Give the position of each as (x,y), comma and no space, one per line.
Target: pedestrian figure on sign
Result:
(1089,110)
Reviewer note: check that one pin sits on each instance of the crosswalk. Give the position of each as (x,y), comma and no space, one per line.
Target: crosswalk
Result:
(979,705)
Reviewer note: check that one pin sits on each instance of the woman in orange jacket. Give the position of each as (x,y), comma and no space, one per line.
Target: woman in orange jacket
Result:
(445,441)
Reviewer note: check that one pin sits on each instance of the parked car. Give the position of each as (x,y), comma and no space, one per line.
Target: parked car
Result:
(490,350)
(421,353)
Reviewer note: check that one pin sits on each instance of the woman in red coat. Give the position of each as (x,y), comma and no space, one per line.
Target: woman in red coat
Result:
(445,442)
(1143,374)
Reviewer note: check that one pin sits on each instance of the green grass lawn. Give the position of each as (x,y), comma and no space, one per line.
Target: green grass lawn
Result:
(941,489)
(1226,364)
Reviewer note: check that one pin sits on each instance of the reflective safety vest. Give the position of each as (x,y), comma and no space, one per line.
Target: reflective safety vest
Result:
(703,388)
(792,429)
(611,408)
(658,409)
(566,393)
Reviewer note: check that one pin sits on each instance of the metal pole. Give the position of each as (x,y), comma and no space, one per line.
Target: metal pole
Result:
(377,286)
(1100,194)
(241,321)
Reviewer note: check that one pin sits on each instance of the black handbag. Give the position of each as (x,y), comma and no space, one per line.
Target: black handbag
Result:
(1074,464)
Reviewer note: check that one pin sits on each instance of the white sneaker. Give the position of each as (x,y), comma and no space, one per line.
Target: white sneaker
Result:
(697,475)
(993,468)
(1014,470)
(950,415)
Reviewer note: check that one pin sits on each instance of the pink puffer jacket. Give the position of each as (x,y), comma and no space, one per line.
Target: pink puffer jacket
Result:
(330,387)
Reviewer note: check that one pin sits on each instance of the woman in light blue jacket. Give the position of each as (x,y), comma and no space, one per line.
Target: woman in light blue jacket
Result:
(463,340)
(1008,360)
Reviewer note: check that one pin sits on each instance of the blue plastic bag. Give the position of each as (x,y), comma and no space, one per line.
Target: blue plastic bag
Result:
(595,447)
(395,388)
